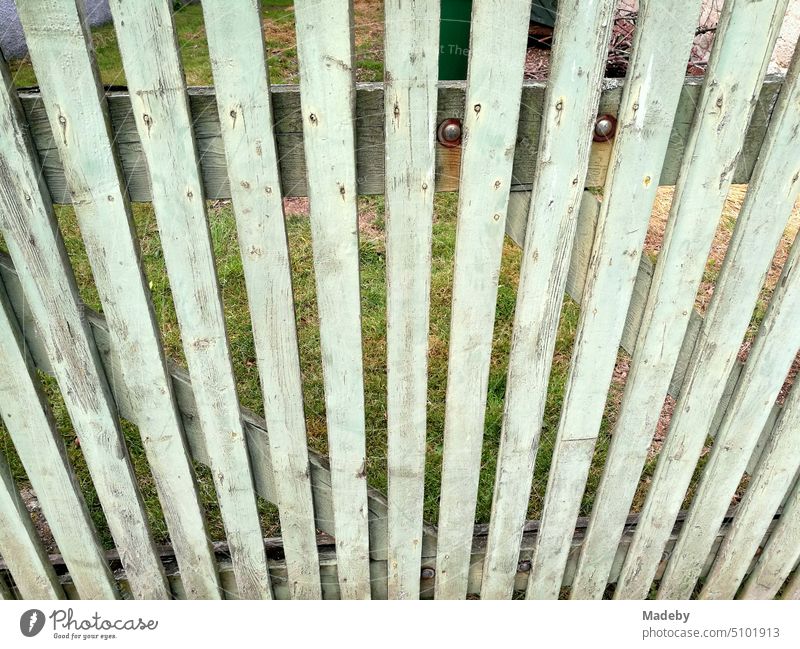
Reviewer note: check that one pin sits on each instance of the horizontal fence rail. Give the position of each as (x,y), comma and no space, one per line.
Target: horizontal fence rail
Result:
(370,138)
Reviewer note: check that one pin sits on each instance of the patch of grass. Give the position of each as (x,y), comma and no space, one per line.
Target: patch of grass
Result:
(279,38)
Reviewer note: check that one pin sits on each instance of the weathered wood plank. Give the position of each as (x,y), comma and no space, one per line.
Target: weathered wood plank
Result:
(61,55)
(768,487)
(236,49)
(31,233)
(161,111)
(780,555)
(742,48)
(496,60)
(570,105)
(664,35)
(760,225)
(370,138)
(255,427)
(41,450)
(588,216)
(327,94)
(328,568)
(20,545)
(792,588)
(412,45)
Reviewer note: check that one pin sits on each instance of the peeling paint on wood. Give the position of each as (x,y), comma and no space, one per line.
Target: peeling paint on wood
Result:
(237,57)
(161,111)
(60,49)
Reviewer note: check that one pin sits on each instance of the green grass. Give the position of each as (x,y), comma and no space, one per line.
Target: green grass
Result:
(279,29)
(373,298)
(280,43)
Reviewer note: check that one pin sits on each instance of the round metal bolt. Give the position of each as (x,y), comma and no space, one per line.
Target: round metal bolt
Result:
(524,566)
(427,573)
(449,132)
(605,127)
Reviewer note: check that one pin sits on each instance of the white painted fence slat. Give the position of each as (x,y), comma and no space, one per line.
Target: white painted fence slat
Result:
(31,233)
(20,545)
(62,59)
(146,37)
(772,195)
(792,588)
(645,121)
(410,96)
(236,49)
(496,60)
(41,450)
(571,101)
(743,45)
(768,486)
(780,555)
(327,97)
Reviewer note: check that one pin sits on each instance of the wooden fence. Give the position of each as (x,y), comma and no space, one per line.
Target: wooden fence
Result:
(522,169)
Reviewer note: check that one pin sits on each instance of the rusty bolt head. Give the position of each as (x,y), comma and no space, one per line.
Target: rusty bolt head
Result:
(449,132)
(427,573)
(605,127)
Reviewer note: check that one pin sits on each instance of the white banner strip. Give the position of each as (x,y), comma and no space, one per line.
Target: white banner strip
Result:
(240,624)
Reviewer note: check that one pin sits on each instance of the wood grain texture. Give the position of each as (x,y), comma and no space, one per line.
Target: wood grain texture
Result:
(161,112)
(645,120)
(235,42)
(496,60)
(411,45)
(760,225)
(792,588)
(743,45)
(570,104)
(328,567)
(780,555)
(327,94)
(31,234)
(61,53)
(768,486)
(370,137)
(39,446)
(256,432)
(20,545)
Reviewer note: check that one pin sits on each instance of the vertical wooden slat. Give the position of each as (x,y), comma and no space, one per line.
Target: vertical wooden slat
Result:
(570,106)
(792,588)
(412,37)
(76,109)
(236,48)
(146,37)
(327,97)
(41,450)
(780,555)
(645,118)
(768,486)
(742,48)
(494,89)
(773,192)
(664,33)
(31,233)
(20,545)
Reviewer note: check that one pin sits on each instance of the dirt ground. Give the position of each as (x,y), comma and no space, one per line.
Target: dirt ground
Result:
(538,60)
